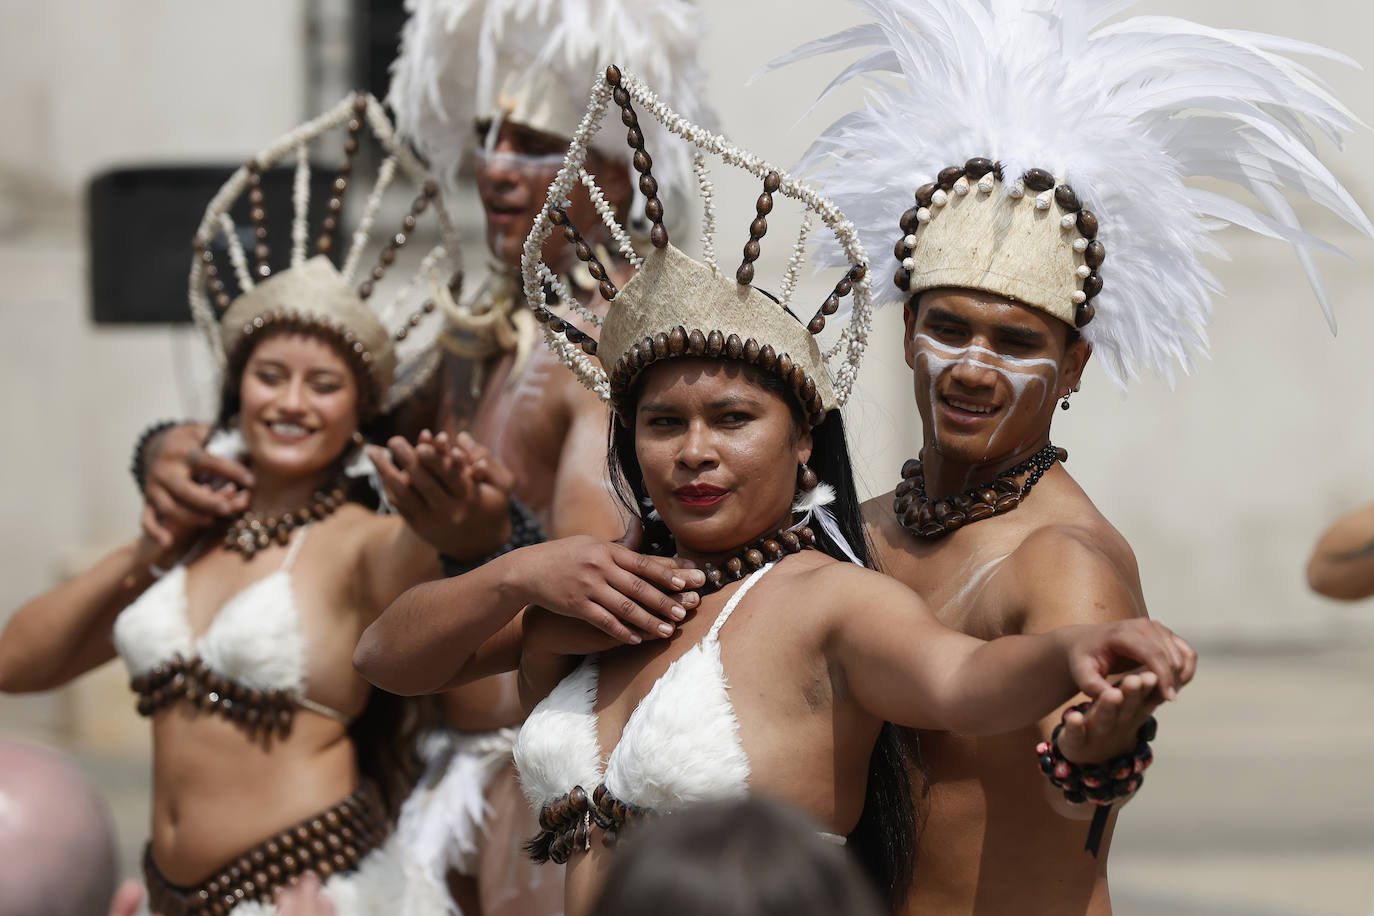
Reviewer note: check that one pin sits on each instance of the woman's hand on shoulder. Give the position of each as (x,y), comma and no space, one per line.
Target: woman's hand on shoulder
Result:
(626,595)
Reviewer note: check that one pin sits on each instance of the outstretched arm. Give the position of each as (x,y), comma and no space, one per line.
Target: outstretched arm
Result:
(434,635)
(65,632)
(902,665)
(1342,563)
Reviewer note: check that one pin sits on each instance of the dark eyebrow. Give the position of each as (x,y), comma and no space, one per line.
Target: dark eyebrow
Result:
(734,401)
(1027,336)
(935,313)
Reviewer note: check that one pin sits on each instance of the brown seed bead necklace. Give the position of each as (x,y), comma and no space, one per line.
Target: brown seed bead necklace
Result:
(933,518)
(253,531)
(766,549)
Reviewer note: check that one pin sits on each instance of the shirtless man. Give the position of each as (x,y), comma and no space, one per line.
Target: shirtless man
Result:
(997,836)
(1041,151)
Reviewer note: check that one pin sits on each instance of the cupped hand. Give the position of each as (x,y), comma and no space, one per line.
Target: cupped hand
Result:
(186,488)
(626,595)
(1109,725)
(452,491)
(1098,651)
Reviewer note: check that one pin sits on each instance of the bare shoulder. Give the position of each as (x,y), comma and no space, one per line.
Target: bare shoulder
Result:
(826,591)
(353,527)
(1070,572)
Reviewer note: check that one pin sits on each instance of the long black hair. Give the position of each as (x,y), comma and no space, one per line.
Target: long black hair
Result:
(883,838)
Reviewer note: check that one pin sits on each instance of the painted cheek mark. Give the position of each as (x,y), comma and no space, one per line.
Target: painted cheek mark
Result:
(1019,373)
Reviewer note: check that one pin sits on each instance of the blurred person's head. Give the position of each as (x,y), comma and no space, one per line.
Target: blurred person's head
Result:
(515,165)
(747,858)
(57,851)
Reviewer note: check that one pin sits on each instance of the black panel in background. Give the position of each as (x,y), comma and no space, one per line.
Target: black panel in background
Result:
(377,38)
(141,221)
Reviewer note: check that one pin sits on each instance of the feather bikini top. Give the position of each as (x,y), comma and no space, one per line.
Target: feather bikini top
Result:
(249,664)
(680,747)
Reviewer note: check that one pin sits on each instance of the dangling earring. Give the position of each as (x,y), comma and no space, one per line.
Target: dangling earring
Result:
(806,478)
(358,438)
(1064,404)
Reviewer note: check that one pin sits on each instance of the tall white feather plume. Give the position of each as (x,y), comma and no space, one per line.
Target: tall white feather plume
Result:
(457,54)
(1126,113)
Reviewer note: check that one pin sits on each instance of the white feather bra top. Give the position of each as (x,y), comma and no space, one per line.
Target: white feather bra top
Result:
(679,747)
(249,665)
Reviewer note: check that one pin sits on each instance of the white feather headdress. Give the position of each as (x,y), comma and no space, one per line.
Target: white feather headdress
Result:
(1125,113)
(463,60)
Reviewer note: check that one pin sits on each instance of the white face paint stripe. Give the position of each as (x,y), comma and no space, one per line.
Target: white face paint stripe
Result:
(1018,371)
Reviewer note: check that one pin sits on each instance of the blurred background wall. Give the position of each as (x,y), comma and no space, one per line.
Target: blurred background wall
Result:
(1221,484)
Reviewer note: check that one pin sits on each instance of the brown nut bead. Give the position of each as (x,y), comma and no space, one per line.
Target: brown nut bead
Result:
(1066,198)
(1087,224)
(948,176)
(1038,180)
(1095,254)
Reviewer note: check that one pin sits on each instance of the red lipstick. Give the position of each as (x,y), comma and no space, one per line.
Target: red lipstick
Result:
(700,494)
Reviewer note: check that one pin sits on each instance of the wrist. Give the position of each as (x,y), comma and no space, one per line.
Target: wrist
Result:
(145,447)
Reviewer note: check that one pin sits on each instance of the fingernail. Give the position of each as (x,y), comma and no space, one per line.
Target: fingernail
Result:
(676,612)
(665,629)
(698,577)
(634,639)
(1172,693)
(678,582)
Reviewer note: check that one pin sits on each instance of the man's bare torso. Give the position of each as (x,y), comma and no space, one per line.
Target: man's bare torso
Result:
(989,841)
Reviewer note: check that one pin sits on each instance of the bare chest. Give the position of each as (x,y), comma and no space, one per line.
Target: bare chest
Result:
(518,414)
(959,577)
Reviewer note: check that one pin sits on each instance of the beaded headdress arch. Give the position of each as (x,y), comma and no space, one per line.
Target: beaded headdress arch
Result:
(1053,158)
(675,306)
(388,343)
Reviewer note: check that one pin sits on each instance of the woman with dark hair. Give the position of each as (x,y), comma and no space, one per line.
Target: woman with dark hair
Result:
(794,656)
(272,758)
(745,858)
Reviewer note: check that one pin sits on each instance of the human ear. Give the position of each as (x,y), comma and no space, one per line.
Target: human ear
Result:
(1075,361)
(804,446)
(909,321)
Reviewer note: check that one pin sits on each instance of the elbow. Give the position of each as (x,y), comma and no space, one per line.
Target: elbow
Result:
(1328,582)
(382,666)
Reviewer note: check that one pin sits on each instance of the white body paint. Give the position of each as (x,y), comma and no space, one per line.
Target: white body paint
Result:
(1019,373)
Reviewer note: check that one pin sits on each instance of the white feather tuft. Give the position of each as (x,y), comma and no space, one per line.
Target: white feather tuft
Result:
(1127,114)
(823,494)
(455,54)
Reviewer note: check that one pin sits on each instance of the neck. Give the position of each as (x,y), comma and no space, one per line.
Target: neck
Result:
(275,493)
(717,557)
(946,475)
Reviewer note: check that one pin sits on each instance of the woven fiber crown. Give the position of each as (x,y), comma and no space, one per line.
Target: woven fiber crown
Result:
(1002,245)
(675,306)
(389,343)
(673,291)
(316,293)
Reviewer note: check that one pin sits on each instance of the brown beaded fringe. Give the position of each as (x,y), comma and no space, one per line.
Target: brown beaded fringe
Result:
(268,711)
(332,842)
(565,823)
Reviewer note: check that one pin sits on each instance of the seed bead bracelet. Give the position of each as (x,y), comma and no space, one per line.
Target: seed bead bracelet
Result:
(1099,783)
(137,467)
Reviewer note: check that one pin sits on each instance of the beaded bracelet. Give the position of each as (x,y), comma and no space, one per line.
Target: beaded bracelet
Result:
(136,467)
(1099,783)
(524,531)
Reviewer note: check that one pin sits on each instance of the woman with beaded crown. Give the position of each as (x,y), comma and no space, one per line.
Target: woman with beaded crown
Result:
(1054,157)
(729,447)
(271,756)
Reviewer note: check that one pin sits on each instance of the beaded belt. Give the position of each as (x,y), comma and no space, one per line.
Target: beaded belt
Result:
(565,823)
(332,842)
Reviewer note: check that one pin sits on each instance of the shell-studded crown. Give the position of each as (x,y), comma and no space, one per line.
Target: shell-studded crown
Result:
(1040,137)
(389,344)
(675,306)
